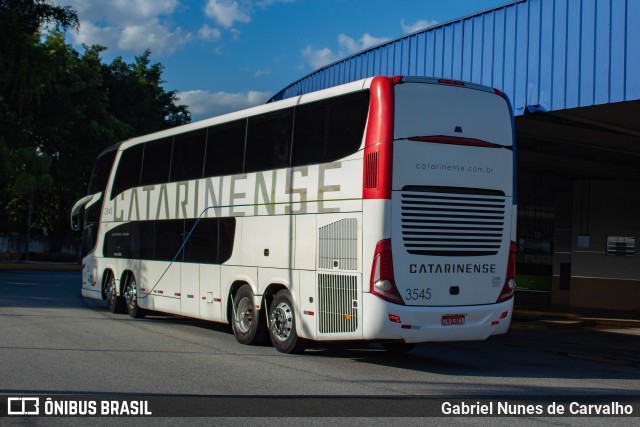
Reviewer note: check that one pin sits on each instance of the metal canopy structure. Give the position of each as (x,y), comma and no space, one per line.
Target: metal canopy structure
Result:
(546,55)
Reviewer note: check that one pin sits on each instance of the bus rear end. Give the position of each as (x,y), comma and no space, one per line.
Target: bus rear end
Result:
(443,263)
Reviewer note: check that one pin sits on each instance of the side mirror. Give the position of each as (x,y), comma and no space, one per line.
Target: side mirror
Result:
(76,211)
(75,220)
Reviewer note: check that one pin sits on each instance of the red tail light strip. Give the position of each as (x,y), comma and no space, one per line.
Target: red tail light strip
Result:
(451,82)
(509,287)
(440,139)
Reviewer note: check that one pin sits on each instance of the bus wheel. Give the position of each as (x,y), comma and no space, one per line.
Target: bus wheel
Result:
(282,324)
(116,303)
(398,347)
(131,298)
(246,324)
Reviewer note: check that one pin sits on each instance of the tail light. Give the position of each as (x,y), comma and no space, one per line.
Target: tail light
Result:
(509,287)
(382,281)
(451,82)
(500,93)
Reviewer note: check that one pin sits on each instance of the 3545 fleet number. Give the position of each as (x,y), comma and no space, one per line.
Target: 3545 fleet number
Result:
(417,294)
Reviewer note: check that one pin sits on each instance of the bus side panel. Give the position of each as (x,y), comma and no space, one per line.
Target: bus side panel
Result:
(267,241)
(189,290)
(305,242)
(209,297)
(307,303)
(162,280)
(92,277)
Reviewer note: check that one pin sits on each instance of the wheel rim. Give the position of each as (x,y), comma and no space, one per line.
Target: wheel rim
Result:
(244,315)
(281,321)
(131,293)
(109,289)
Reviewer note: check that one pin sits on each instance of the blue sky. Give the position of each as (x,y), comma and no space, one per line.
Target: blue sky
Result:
(225,55)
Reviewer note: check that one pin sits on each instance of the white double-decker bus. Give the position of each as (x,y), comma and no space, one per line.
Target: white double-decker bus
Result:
(381,210)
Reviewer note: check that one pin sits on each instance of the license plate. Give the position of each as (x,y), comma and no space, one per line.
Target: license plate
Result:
(453,319)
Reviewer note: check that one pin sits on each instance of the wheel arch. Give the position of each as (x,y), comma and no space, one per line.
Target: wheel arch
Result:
(271,292)
(123,279)
(105,276)
(233,290)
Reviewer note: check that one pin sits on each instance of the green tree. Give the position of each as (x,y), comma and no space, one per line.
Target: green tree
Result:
(59,108)
(22,79)
(31,178)
(23,82)
(138,99)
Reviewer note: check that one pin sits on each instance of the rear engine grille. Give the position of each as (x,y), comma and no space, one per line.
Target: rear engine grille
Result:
(452,221)
(337,303)
(338,245)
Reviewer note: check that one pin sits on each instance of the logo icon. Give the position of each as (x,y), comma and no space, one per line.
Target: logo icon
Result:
(23,406)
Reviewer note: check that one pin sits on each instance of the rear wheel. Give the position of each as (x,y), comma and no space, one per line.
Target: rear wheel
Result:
(109,289)
(131,298)
(282,324)
(246,324)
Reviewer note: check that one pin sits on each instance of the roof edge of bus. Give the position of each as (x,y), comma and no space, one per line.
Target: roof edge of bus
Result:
(240,114)
(110,148)
(440,80)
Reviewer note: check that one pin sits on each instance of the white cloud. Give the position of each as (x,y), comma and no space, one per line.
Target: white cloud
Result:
(262,72)
(227,12)
(420,25)
(267,3)
(129,25)
(366,41)
(123,11)
(152,35)
(317,58)
(92,34)
(136,25)
(207,33)
(203,104)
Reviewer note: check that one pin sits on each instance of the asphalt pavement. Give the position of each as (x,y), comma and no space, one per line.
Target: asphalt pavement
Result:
(606,336)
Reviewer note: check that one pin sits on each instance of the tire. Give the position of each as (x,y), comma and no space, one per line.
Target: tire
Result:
(246,322)
(282,324)
(131,298)
(398,347)
(115,302)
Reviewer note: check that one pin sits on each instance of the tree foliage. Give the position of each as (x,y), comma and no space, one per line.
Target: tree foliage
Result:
(59,108)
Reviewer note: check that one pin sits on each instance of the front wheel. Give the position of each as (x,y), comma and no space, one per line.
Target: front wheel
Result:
(282,324)
(131,298)
(109,289)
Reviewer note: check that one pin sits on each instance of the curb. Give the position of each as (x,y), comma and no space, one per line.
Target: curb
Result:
(548,320)
(40,267)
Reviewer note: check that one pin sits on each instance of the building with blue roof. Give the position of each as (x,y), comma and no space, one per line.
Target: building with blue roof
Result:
(571,69)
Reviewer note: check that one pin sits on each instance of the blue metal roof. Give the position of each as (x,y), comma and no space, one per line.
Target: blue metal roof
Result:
(544,54)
